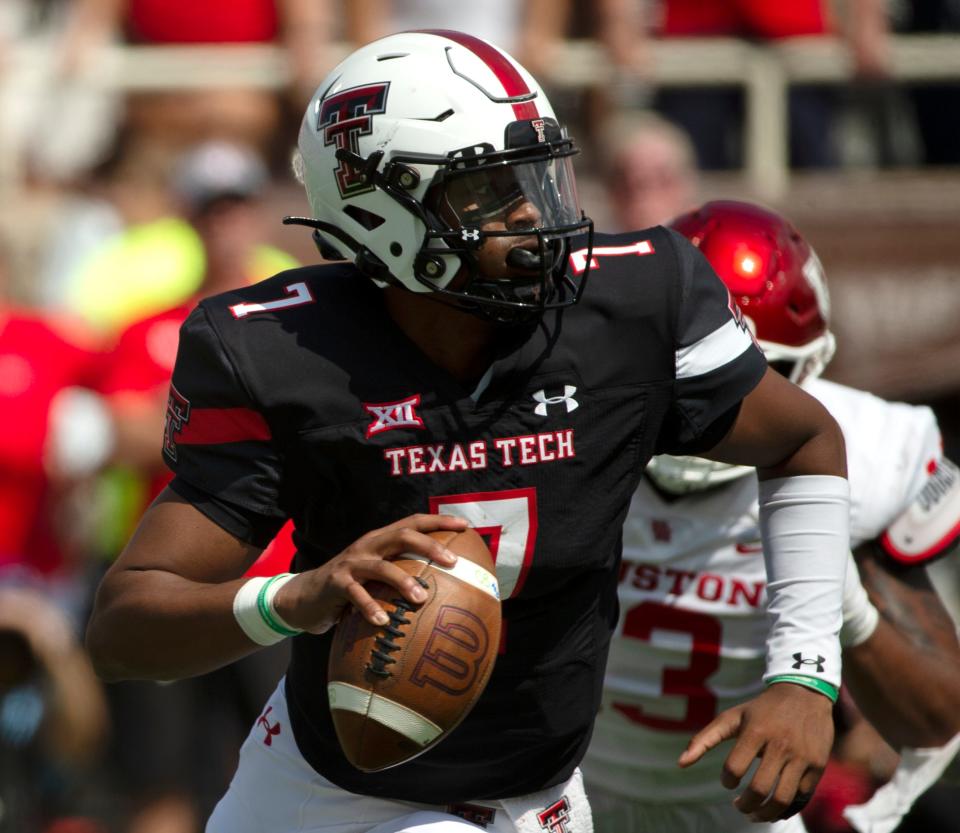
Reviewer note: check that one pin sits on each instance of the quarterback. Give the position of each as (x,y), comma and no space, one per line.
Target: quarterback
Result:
(691,636)
(454,368)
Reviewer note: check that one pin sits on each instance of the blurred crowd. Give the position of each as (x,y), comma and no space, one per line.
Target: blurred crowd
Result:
(121,209)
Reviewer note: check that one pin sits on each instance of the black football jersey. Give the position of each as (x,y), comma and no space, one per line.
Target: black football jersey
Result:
(299,398)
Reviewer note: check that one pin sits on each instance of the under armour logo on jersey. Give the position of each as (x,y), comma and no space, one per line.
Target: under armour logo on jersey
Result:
(543,401)
(389,415)
(800,662)
(271,728)
(556,817)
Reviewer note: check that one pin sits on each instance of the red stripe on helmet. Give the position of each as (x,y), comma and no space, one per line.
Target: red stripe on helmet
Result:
(500,65)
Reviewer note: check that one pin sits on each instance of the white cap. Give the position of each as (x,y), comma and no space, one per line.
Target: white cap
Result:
(218,169)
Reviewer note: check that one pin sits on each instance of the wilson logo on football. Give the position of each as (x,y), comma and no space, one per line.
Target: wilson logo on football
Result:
(453,657)
(390,415)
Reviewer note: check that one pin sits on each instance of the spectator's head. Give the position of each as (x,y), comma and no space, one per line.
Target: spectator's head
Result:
(215,172)
(220,186)
(649,169)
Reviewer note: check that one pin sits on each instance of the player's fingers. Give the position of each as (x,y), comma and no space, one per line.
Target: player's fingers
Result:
(362,601)
(765,780)
(405,540)
(377,569)
(780,801)
(810,778)
(424,522)
(721,728)
(748,746)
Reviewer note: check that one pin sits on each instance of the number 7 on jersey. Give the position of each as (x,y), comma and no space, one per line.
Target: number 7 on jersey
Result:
(508,522)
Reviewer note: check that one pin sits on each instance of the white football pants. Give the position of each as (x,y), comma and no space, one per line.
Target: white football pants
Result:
(274,790)
(614,814)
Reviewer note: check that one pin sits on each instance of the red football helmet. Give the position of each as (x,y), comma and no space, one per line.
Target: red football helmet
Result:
(774,276)
(777,281)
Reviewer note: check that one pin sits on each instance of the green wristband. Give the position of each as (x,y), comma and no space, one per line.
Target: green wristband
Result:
(826,689)
(267,615)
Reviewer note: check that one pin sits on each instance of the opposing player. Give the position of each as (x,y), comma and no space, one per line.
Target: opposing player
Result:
(691,636)
(457,369)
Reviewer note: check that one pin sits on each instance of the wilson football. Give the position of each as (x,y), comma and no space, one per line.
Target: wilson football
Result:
(399,689)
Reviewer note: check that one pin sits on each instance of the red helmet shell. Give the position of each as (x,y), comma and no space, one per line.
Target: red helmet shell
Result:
(771,271)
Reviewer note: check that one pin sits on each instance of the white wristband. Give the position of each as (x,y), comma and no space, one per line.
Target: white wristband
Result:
(860,617)
(255,613)
(804,525)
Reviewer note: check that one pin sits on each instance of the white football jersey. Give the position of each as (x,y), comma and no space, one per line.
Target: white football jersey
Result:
(690,641)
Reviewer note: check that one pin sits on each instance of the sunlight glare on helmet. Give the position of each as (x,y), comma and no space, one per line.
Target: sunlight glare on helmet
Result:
(747,263)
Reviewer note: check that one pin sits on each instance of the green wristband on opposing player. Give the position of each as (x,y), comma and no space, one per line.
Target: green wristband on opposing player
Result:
(825,688)
(265,606)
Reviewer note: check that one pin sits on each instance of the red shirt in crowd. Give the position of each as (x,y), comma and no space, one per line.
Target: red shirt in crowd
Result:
(38,360)
(745,18)
(209,21)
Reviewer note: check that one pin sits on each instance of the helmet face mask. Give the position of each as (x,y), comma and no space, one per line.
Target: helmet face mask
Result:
(776,279)
(507,215)
(434,162)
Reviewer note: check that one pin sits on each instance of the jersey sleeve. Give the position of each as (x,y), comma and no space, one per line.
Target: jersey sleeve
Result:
(892,450)
(717,360)
(217,442)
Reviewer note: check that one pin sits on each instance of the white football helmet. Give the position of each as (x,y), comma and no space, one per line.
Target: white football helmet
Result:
(776,280)
(434,162)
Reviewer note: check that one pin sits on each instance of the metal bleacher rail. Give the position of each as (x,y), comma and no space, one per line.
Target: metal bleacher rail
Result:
(764,72)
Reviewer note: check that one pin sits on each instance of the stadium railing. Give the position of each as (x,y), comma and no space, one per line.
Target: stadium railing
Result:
(764,72)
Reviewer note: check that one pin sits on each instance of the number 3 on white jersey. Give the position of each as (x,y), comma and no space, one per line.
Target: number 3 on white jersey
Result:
(690,682)
(508,522)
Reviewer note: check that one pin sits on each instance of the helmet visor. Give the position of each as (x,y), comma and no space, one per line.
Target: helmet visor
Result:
(491,196)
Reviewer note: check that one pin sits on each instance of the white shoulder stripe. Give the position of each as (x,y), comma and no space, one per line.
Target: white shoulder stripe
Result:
(712,351)
(467,571)
(387,712)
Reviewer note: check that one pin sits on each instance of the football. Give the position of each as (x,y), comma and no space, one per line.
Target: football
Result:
(399,689)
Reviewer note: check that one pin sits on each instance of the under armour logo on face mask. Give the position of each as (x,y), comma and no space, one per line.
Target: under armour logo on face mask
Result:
(567,399)
(470,235)
(800,662)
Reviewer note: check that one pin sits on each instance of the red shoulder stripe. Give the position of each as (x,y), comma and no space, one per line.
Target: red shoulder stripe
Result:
(209,426)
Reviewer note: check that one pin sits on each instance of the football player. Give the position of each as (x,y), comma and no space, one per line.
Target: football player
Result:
(691,636)
(452,369)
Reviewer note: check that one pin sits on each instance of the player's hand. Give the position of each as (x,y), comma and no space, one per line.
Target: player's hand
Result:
(314,600)
(790,728)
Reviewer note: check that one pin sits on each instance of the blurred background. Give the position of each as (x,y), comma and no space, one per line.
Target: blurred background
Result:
(145,153)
